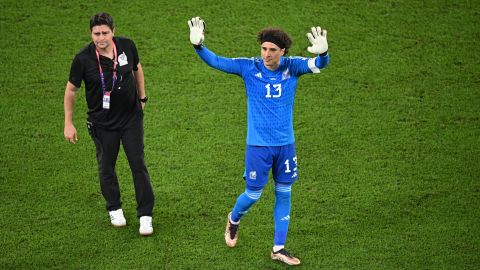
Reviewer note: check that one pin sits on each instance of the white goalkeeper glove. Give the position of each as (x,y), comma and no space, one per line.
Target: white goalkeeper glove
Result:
(197,26)
(318,38)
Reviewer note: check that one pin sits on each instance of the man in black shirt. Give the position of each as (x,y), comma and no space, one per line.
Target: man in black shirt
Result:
(115,94)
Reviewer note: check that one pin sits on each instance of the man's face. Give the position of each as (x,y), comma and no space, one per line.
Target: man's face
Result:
(271,54)
(102,36)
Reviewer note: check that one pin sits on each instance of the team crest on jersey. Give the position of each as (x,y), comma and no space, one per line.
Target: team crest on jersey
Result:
(252,175)
(122,59)
(258,75)
(285,74)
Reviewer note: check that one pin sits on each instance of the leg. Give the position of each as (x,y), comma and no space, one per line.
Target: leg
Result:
(281,214)
(107,144)
(285,174)
(282,220)
(257,167)
(132,140)
(244,202)
(258,161)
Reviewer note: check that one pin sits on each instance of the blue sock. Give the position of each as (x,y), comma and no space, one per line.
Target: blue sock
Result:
(244,202)
(281,213)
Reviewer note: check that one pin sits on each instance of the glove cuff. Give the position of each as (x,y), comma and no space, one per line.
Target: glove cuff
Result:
(324,54)
(198,47)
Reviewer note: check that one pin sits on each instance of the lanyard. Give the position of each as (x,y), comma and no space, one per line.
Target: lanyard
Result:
(102,77)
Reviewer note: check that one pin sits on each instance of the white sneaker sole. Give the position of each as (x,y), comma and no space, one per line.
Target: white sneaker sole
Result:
(119,225)
(146,233)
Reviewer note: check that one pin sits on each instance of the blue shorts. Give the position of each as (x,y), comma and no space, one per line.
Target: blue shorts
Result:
(260,159)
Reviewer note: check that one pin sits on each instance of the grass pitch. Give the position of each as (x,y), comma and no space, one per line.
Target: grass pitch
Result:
(388,138)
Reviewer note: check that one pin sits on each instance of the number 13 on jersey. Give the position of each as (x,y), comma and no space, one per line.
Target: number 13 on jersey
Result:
(277,91)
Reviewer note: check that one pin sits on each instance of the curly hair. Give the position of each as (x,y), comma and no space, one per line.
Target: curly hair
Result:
(276,36)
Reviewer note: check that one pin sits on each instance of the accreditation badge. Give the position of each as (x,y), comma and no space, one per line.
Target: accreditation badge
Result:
(106,100)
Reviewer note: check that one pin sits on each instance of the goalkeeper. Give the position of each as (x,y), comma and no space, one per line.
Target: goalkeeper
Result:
(270,83)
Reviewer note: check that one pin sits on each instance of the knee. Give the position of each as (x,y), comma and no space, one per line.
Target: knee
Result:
(253,195)
(283,192)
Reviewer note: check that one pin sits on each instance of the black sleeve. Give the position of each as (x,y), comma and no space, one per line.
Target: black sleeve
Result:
(136,59)
(76,72)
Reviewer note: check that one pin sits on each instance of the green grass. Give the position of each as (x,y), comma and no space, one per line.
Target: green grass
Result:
(388,138)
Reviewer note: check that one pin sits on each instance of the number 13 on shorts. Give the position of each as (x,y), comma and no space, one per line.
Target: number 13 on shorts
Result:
(291,167)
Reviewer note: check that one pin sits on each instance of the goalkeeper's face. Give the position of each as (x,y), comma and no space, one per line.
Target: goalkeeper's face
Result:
(271,54)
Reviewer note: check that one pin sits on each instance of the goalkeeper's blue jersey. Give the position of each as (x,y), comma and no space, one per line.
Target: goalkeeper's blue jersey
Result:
(270,94)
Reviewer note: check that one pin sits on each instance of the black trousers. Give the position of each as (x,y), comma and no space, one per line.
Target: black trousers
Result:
(107,143)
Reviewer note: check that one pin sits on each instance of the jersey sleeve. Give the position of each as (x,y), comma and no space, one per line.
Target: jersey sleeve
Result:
(228,65)
(136,59)
(302,65)
(76,72)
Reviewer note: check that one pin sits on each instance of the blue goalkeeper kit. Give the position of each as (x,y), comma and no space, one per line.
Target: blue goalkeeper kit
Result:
(270,94)
(270,136)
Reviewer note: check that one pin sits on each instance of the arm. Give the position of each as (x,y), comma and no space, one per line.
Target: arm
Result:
(69,130)
(229,65)
(321,61)
(318,39)
(140,80)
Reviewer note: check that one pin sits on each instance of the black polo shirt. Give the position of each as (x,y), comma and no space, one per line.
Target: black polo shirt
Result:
(124,101)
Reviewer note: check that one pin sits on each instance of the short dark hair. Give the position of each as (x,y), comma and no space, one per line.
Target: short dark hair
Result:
(101,19)
(276,36)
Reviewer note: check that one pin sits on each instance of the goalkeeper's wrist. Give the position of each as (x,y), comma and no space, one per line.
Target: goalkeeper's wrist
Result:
(198,47)
(324,54)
